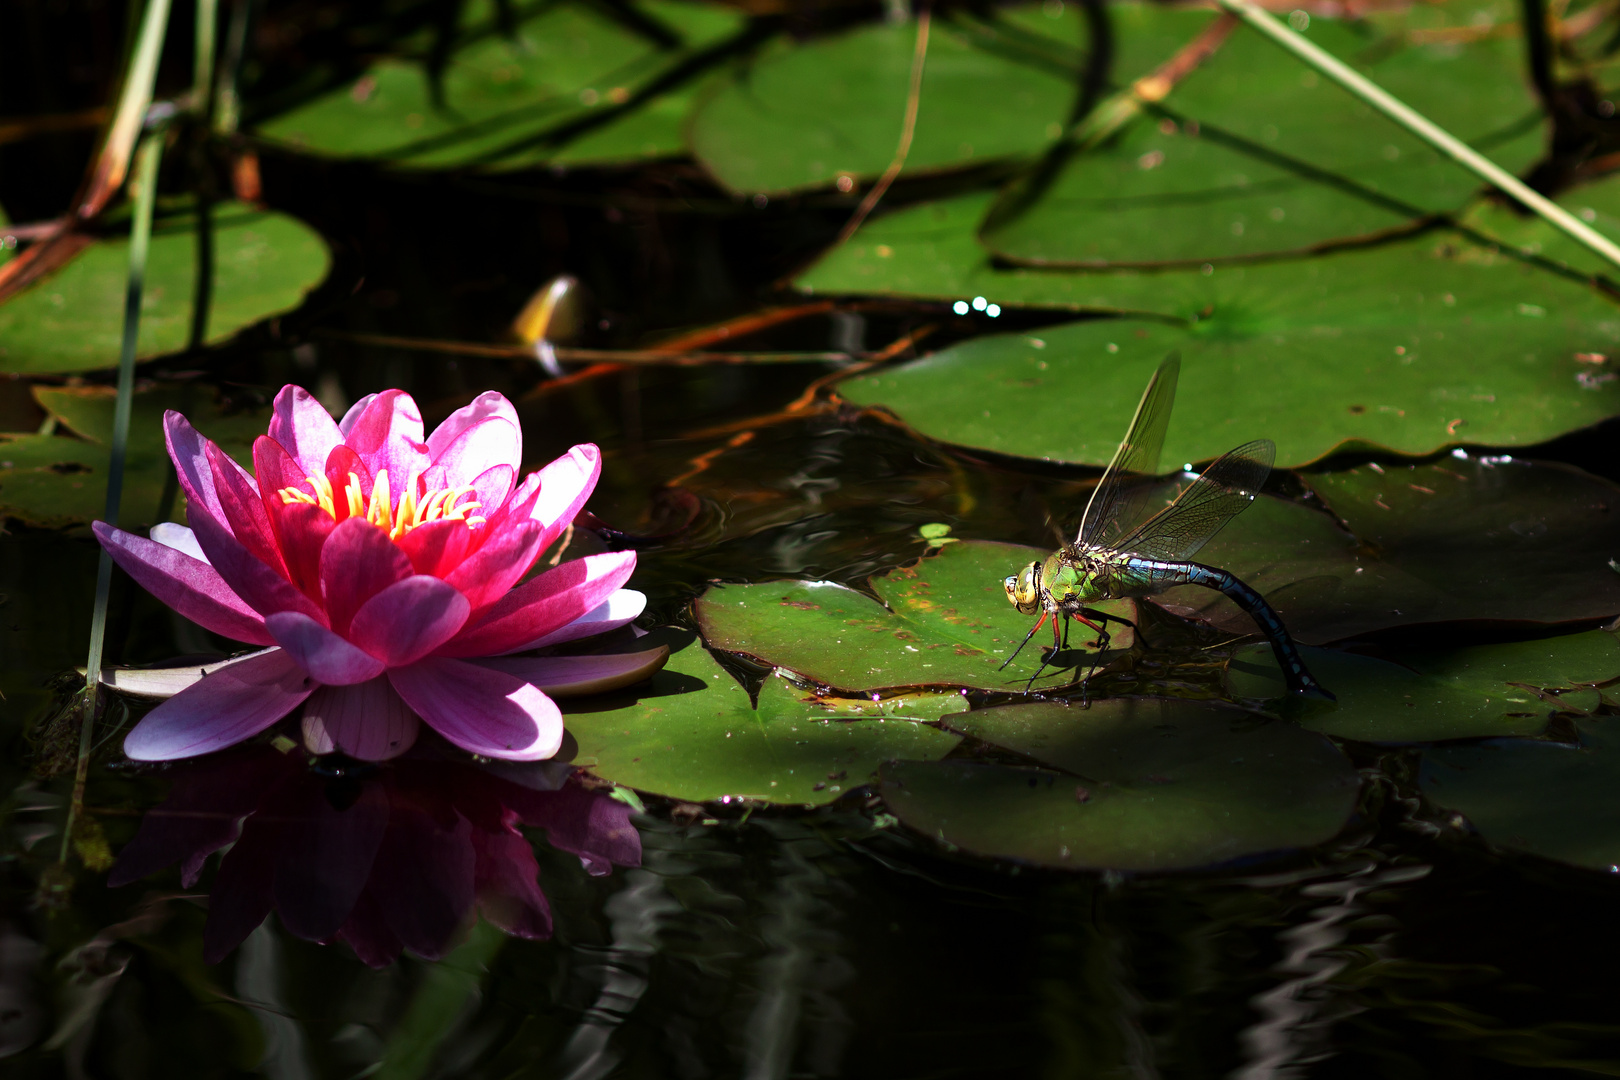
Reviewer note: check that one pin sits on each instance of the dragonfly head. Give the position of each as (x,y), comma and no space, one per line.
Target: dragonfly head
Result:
(1024,589)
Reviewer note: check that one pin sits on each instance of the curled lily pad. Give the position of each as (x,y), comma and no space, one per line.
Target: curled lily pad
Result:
(944,620)
(805,114)
(574,83)
(264,264)
(61,479)
(1545,798)
(1136,784)
(1410,346)
(691,733)
(1429,545)
(1253,152)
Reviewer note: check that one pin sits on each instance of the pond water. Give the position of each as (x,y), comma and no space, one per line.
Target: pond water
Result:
(1177,870)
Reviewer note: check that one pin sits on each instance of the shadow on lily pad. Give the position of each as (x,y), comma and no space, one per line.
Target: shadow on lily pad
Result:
(1134,784)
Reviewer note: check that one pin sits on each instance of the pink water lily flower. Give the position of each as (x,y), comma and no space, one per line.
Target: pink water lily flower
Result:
(382,569)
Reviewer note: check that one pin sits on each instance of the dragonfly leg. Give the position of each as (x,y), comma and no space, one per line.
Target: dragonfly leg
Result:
(1021,644)
(1105,619)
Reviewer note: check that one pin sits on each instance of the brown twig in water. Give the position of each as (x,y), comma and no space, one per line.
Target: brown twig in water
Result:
(908,127)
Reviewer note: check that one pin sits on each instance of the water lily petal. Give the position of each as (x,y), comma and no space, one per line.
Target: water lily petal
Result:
(545,603)
(594,826)
(189,451)
(367,933)
(325,857)
(300,529)
(265,590)
(178,537)
(356,411)
(304,429)
(388,435)
(242,894)
(190,586)
(343,468)
(507,880)
(409,619)
(423,877)
(243,510)
(162,683)
(328,658)
(225,708)
(483,433)
(486,712)
(438,547)
(202,813)
(622,607)
(576,676)
(357,563)
(487,574)
(366,721)
(565,485)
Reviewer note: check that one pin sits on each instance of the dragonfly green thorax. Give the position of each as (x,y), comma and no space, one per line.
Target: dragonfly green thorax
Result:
(1118,554)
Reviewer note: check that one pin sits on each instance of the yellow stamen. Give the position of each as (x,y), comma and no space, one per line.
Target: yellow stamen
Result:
(440,504)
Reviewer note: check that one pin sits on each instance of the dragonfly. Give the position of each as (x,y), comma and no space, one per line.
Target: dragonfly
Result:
(1117,554)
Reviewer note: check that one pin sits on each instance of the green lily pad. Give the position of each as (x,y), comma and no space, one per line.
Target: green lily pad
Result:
(803,115)
(944,620)
(73,320)
(1145,784)
(1255,153)
(1434,695)
(58,480)
(1429,545)
(1544,798)
(1596,204)
(691,733)
(1412,347)
(509,101)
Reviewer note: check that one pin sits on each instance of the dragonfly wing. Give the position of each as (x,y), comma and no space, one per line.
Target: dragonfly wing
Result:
(1117,499)
(1224,490)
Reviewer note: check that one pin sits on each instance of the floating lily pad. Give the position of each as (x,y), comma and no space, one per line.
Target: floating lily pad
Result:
(947,622)
(1412,346)
(575,84)
(803,115)
(1254,152)
(1430,545)
(1545,798)
(264,264)
(1484,690)
(1145,784)
(691,733)
(61,479)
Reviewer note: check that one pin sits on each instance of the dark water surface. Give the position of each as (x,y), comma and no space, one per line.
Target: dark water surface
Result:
(749,943)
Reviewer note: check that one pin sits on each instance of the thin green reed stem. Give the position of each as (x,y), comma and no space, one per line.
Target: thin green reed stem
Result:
(140,237)
(202,77)
(1436,137)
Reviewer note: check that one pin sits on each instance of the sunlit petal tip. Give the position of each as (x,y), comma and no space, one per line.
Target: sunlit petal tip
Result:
(621,608)
(577,676)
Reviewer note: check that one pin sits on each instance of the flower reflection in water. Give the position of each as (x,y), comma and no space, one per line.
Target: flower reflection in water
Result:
(382,567)
(381,856)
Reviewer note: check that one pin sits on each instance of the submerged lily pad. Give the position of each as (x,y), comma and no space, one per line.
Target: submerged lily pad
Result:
(1429,544)
(1412,347)
(1138,784)
(1254,152)
(691,733)
(1434,695)
(61,479)
(1544,798)
(947,622)
(574,84)
(803,115)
